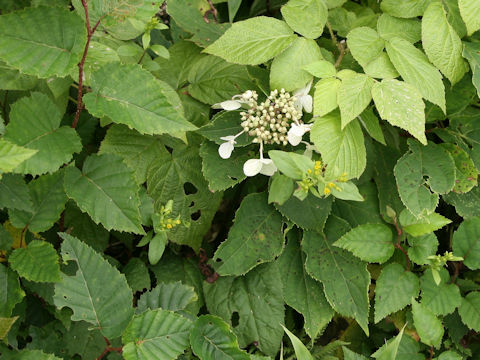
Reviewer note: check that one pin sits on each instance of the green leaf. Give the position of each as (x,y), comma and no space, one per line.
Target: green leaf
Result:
(12,79)
(11,155)
(213,80)
(350,355)
(416,70)
(425,225)
(369,242)
(381,67)
(98,293)
(293,165)
(137,275)
(450,355)
(6,325)
(137,151)
(153,108)
(257,299)
(354,95)
(106,190)
(442,44)
(370,122)
(34,355)
(325,96)
(212,338)
(466,173)
(223,124)
(306,17)
(55,144)
(389,27)
(256,233)
(422,247)
(465,243)
(287,68)
(253,41)
(470,11)
(301,291)
(12,293)
(342,150)
(401,105)
(345,279)
(173,296)
(469,310)
(429,327)
(365,44)
(37,262)
(156,334)
(57,45)
(390,349)
(301,350)
(280,189)
(443,298)
(404,9)
(48,198)
(471,52)
(156,247)
(321,69)
(14,193)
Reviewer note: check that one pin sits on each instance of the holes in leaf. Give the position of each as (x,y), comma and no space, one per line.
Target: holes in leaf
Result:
(196,215)
(192,204)
(169,149)
(189,188)
(235,319)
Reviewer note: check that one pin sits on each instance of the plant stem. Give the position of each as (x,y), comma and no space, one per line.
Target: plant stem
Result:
(398,244)
(213,11)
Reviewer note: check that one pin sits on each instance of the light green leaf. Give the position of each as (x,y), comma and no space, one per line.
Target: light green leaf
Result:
(57,45)
(153,108)
(466,173)
(325,96)
(450,355)
(369,242)
(253,41)
(173,296)
(416,70)
(287,68)
(443,298)
(257,299)
(442,44)
(390,349)
(345,279)
(301,350)
(365,44)
(256,233)
(157,334)
(156,247)
(342,150)
(394,290)
(428,326)
(37,262)
(389,27)
(354,95)
(401,105)
(12,79)
(381,67)
(14,193)
(293,165)
(370,122)
(301,291)
(12,293)
(48,198)
(33,355)
(212,338)
(422,247)
(405,8)
(425,225)
(11,155)
(465,242)
(98,293)
(106,190)
(6,325)
(471,52)
(470,11)
(469,310)
(321,69)
(55,144)
(306,17)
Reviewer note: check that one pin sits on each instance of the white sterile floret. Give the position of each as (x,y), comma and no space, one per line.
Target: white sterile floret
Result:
(228,105)
(225,149)
(296,133)
(249,97)
(303,100)
(253,167)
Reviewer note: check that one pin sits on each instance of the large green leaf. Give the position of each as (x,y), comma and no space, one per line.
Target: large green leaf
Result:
(257,299)
(442,298)
(11,155)
(422,247)
(253,41)
(394,290)
(42,41)
(35,124)
(98,293)
(325,96)
(401,105)
(37,262)
(48,198)
(6,325)
(212,338)
(306,17)
(156,334)
(106,190)
(342,150)
(405,8)
(12,79)
(422,226)
(345,279)
(256,234)
(416,70)
(465,242)
(470,11)
(365,44)
(14,193)
(428,326)
(12,293)
(369,242)
(301,350)
(389,27)
(469,310)
(442,44)
(302,292)
(153,108)
(471,52)
(389,350)
(466,173)
(354,95)
(173,296)
(25,354)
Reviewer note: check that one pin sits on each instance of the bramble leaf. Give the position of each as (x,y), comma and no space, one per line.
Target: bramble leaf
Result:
(306,17)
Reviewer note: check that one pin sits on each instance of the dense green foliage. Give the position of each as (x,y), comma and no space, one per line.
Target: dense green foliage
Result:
(228,179)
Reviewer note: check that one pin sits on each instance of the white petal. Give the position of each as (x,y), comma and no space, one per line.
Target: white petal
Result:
(268,167)
(227,105)
(252,167)
(307,103)
(308,87)
(297,130)
(229,138)
(293,139)
(225,150)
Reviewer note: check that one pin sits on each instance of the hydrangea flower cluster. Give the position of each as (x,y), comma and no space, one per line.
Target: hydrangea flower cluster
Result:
(277,120)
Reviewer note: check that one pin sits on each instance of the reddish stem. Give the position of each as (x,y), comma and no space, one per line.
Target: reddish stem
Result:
(109,349)
(398,244)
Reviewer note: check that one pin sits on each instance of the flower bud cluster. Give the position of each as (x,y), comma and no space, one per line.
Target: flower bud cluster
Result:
(269,122)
